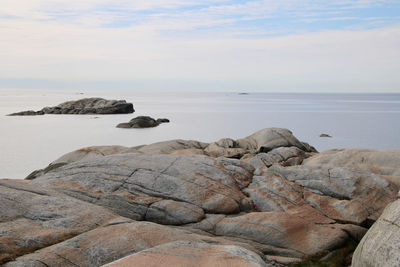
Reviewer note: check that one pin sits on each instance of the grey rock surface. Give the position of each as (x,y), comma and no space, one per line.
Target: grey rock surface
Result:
(381,245)
(32,217)
(84,106)
(198,180)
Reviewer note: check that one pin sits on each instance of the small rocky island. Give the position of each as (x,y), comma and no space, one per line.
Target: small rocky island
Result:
(84,106)
(264,200)
(142,122)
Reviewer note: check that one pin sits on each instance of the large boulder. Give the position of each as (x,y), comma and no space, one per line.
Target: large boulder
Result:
(267,139)
(84,106)
(381,245)
(130,184)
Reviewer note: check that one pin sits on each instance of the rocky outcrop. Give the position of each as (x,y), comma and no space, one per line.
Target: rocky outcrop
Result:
(142,122)
(258,201)
(122,181)
(84,106)
(381,245)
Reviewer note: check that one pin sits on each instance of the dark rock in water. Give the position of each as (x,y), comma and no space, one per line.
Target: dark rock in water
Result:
(84,106)
(27,113)
(162,120)
(324,135)
(142,122)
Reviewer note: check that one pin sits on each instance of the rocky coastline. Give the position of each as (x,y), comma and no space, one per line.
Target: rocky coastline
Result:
(264,200)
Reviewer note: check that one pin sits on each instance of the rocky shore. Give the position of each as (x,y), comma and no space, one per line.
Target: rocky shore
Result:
(84,106)
(264,200)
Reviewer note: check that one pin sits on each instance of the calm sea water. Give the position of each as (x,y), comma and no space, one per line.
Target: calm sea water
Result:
(353,120)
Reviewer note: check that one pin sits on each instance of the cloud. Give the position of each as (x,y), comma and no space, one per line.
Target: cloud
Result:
(247,44)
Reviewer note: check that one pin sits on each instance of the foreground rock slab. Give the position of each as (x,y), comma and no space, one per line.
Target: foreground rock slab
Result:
(195,254)
(84,106)
(117,239)
(32,217)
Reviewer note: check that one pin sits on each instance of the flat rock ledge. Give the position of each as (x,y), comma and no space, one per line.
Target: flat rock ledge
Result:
(264,200)
(142,122)
(84,106)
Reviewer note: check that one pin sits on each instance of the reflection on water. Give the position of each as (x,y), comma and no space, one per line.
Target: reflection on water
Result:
(29,143)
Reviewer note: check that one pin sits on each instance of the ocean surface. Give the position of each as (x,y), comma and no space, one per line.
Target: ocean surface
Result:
(28,143)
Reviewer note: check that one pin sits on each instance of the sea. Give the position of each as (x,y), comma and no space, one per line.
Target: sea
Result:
(29,143)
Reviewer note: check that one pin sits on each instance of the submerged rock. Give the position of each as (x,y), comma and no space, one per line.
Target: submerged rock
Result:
(84,106)
(142,122)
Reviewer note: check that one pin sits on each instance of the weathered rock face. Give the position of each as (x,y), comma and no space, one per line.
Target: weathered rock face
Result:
(32,217)
(280,202)
(84,106)
(121,181)
(351,186)
(381,245)
(142,122)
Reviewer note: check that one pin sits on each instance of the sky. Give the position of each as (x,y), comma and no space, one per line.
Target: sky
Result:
(208,45)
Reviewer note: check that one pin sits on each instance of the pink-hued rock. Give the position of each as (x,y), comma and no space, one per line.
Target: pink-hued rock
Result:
(192,254)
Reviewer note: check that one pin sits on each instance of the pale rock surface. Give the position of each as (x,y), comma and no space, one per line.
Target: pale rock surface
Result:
(381,245)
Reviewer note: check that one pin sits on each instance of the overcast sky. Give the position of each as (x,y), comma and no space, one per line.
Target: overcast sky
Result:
(207,45)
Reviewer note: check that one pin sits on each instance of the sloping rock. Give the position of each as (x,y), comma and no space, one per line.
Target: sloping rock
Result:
(187,253)
(210,184)
(84,106)
(113,241)
(142,122)
(372,191)
(81,154)
(270,192)
(381,245)
(282,230)
(32,217)
(382,162)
